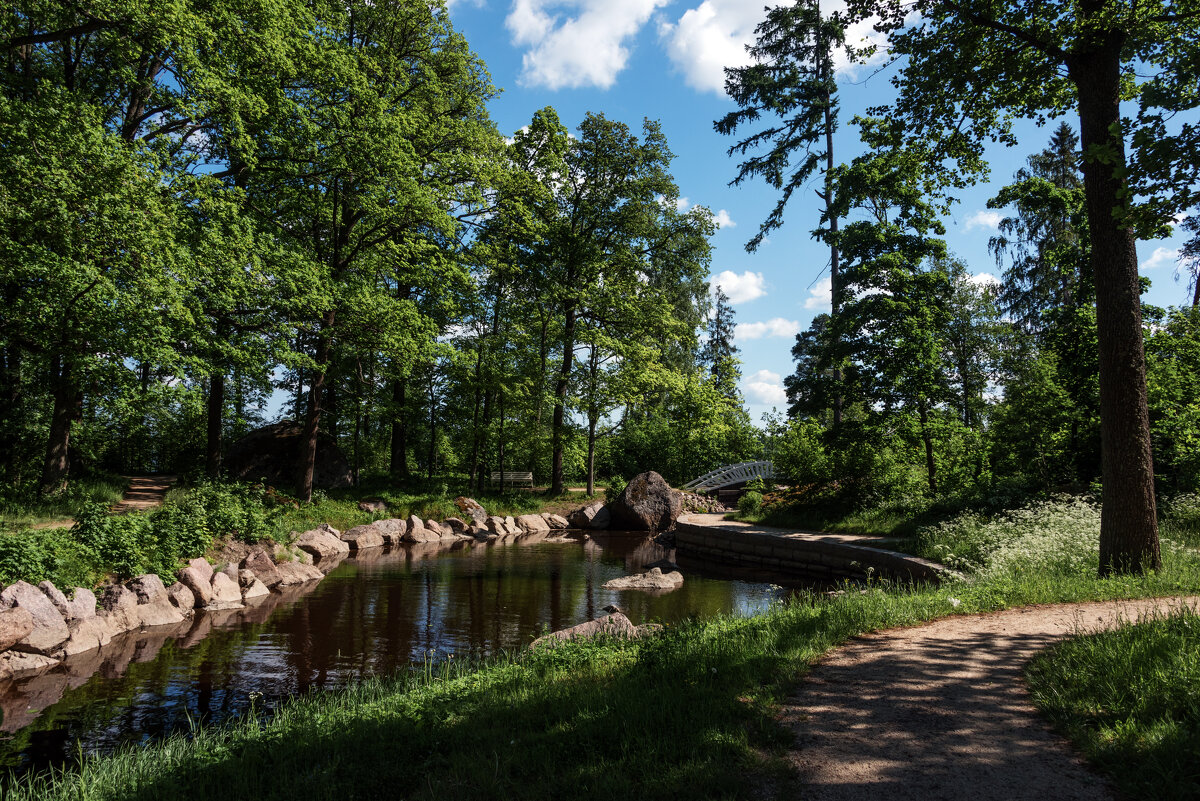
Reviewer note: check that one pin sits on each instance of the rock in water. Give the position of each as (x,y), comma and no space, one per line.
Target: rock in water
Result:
(614,625)
(15,625)
(594,516)
(360,538)
(653,579)
(49,627)
(321,543)
(646,504)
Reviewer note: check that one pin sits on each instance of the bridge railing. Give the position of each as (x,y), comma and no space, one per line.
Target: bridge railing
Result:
(730,474)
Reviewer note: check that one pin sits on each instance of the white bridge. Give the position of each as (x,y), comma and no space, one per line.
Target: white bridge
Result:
(730,474)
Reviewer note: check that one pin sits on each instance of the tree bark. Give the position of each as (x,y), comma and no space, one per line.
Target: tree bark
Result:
(927,436)
(215,421)
(1128,520)
(398,467)
(591,457)
(560,402)
(66,400)
(308,439)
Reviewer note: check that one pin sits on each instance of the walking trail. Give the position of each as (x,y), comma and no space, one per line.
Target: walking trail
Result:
(144,492)
(941,711)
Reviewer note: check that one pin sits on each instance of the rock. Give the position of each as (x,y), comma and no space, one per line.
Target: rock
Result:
(594,516)
(183,598)
(653,579)
(292,573)
(261,565)
(392,530)
(231,570)
(329,529)
(268,454)
(495,525)
(510,525)
(154,605)
(457,527)
(372,505)
(472,508)
(614,625)
(362,537)
(322,544)
(434,526)
(198,583)
(555,521)
(533,523)
(611,608)
(646,504)
(87,634)
(15,625)
(49,628)
(148,588)
(56,597)
(202,566)
(225,593)
(118,608)
(665,565)
(81,605)
(250,586)
(417,532)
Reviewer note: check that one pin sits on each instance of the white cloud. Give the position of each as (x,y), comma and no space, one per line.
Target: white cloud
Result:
(984,280)
(985,218)
(1159,257)
(713,35)
(574,43)
(723,220)
(766,388)
(741,288)
(821,295)
(775,327)
(681,204)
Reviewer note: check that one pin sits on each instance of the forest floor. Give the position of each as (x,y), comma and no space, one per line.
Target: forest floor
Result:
(942,710)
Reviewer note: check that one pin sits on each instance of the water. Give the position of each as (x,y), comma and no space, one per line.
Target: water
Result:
(372,615)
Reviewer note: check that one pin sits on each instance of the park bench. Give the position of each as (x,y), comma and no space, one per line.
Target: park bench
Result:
(513,478)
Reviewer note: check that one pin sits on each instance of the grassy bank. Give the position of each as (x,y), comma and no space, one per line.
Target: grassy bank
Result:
(22,507)
(1130,701)
(687,714)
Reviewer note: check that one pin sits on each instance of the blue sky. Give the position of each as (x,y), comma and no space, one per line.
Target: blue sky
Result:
(662,59)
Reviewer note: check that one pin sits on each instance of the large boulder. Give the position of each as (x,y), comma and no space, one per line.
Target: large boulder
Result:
(392,530)
(15,625)
(360,538)
(271,454)
(87,634)
(555,521)
(154,606)
(251,587)
(290,574)
(200,584)
(646,504)
(652,579)
(119,607)
(472,508)
(415,531)
(593,516)
(614,625)
(261,564)
(533,523)
(322,543)
(49,627)
(183,598)
(226,594)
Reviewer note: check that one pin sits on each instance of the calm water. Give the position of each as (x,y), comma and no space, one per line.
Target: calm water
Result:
(370,616)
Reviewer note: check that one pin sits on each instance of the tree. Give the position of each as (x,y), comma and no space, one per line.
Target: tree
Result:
(791,78)
(971,68)
(719,353)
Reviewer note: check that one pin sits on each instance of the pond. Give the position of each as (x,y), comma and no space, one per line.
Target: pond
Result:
(372,615)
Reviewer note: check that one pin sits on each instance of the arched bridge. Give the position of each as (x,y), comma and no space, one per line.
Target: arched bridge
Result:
(729,475)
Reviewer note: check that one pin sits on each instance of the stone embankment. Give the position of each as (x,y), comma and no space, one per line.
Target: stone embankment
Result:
(41,626)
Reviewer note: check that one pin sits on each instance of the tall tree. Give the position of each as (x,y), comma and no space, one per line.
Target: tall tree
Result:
(719,353)
(969,69)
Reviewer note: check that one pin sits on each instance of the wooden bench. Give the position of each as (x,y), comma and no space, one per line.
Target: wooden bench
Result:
(512,478)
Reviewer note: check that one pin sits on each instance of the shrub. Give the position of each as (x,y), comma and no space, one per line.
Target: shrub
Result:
(750,502)
(616,485)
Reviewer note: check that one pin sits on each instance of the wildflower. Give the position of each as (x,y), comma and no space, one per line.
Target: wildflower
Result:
(954,602)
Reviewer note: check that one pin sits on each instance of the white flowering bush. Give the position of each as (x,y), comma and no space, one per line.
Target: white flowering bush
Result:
(1060,535)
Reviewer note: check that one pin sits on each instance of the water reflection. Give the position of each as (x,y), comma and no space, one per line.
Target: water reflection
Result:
(375,614)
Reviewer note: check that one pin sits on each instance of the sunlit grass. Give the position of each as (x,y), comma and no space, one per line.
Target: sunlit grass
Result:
(1130,700)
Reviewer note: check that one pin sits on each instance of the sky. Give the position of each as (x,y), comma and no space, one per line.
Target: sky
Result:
(663,60)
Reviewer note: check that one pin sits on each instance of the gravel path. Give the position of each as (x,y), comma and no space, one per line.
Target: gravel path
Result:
(941,711)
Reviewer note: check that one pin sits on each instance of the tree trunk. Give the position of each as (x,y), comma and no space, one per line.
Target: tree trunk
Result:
(591,457)
(432,425)
(215,414)
(398,467)
(10,408)
(1128,522)
(308,439)
(66,400)
(560,403)
(927,436)
(835,276)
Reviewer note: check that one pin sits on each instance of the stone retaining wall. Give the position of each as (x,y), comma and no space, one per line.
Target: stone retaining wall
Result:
(802,555)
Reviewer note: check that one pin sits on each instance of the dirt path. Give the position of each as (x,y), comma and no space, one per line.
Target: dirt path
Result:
(144,492)
(941,711)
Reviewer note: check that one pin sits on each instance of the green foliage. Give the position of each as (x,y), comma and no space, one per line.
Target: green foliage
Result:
(1129,701)
(750,502)
(616,485)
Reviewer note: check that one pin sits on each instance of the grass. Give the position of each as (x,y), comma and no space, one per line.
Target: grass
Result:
(1130,701)
(690,713)
(22,507)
